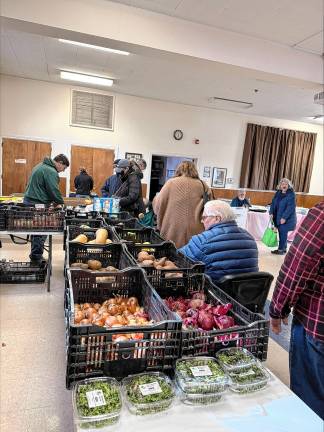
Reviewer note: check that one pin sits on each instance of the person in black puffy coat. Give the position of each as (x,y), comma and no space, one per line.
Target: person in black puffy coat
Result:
(223,247)
(83,183)
(130,191)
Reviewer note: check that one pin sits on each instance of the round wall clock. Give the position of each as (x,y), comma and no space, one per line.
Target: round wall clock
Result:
(178,134)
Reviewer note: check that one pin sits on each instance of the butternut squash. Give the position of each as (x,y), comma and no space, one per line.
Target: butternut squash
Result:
(101,236)
(81,238)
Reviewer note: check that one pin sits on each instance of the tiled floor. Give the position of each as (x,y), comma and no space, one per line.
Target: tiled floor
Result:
(33,397)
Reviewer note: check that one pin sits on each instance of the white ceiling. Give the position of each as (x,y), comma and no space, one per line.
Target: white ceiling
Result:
(296,23)
(159,75)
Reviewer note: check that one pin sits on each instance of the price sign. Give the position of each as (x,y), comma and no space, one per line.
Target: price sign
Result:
(151,388)
(95,398)
(200,371)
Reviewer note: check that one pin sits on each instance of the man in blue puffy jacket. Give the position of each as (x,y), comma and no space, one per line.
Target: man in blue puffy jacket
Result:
(113,183)
(225,248)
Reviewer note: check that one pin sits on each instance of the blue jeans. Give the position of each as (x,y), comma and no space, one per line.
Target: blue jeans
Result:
(283,235)
(37,242)
(306,358)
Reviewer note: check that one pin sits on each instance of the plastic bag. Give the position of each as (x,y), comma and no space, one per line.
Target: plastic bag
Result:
(270,238)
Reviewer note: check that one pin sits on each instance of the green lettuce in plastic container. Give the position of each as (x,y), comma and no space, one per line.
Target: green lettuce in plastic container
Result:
(96,403)
(148,393)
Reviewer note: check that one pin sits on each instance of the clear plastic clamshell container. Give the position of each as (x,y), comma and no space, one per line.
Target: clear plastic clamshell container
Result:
(250,379)
(148,393)
(198,398)
(232,359)
(200,380)
(96,404)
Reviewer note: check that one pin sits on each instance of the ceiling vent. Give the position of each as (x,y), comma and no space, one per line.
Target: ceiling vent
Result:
(92,110)
(319,98)
(223,103)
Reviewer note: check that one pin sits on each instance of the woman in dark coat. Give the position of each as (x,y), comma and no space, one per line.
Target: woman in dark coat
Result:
(283,213)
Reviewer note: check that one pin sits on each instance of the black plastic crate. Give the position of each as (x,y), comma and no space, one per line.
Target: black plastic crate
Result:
(22,218)
(92,351)
(116,218)
(144,237)
(92,223)
(252,331)
(3,216)
(74,230)
(158,276)
(22,272)
(113,254)
(78,214)
(128,224)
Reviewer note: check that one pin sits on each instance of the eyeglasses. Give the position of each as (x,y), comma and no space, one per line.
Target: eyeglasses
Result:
(204,217)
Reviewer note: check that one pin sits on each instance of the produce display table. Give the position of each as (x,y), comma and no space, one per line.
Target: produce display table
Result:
(274,409)
(48,247)
(257,223)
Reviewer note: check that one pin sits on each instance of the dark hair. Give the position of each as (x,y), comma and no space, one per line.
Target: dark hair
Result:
(62,159)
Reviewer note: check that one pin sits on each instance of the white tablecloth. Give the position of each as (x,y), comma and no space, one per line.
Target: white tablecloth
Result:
(257,223)
(272,409)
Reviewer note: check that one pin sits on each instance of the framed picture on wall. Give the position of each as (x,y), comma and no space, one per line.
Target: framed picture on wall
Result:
(206,173)
(135,156)
(219,177)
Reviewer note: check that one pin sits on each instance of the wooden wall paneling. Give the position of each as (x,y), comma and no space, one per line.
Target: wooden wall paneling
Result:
(18,159)
(265,197)
(102,167)
(144,190)
(308,201)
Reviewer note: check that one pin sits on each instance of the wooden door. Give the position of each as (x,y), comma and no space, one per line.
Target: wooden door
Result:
(97,161)
(18,159)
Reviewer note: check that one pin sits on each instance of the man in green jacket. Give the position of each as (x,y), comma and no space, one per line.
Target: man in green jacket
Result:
(43,188)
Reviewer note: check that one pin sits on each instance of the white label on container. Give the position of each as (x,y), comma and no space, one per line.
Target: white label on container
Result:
(151,388)
(95,398)
(20,161)
(199,371)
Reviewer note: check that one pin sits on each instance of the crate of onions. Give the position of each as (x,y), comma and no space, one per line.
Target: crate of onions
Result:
(117,325)
(212,320)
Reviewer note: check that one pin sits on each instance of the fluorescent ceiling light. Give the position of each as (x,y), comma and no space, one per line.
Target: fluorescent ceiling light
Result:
(228,103)
(97,47)
(89,79)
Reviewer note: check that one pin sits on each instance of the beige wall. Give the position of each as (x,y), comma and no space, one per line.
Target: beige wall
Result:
(36,109)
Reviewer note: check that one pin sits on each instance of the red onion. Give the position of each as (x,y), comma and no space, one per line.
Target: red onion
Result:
(190,322)
(192,313)
(222,309)
(205,320)
(224,322)
(180,304)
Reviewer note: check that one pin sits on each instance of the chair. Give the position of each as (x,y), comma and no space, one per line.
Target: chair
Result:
(249,289)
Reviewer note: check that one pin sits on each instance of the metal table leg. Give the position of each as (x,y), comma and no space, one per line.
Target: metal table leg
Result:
(49,263)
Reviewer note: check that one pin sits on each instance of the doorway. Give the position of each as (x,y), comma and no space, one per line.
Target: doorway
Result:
(18,159)
(163,167)
(98,163)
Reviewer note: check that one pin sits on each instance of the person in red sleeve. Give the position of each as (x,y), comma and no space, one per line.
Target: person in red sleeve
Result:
(300,286)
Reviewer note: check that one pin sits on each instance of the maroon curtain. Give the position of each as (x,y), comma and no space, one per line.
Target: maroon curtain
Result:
(272,153)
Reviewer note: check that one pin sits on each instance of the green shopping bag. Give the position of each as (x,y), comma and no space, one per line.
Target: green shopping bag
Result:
(270,237)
